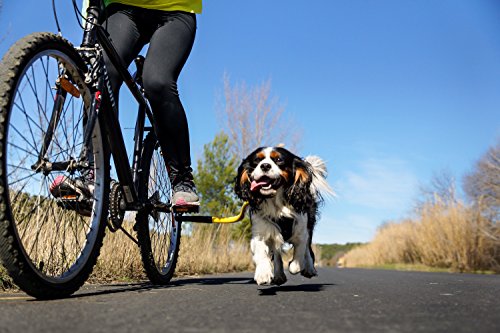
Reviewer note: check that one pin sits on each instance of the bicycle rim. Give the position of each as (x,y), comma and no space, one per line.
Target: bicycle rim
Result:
(158,231)
(55,238)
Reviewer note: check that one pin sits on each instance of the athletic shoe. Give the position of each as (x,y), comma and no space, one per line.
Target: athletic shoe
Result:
(73,194)
(185,190)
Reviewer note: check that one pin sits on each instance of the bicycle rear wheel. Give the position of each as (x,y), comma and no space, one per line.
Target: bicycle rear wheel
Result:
(158,232)
(48,244)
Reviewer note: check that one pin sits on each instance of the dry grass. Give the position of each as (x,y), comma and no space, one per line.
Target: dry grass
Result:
(211,249)
(120,258)
(444,235)
(207,249)
(5,280)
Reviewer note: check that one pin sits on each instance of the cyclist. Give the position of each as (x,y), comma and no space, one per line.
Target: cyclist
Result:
(169,26)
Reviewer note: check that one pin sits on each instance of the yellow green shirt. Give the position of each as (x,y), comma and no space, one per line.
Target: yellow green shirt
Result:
(190,6)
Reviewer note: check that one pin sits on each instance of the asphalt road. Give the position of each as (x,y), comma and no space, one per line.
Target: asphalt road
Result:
(338,300)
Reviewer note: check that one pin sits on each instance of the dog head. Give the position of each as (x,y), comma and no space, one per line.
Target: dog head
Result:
(269,170)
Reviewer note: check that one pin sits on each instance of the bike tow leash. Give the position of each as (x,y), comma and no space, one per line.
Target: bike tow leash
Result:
(212,219)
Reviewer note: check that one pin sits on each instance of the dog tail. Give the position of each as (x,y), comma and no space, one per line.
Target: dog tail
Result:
(319,186)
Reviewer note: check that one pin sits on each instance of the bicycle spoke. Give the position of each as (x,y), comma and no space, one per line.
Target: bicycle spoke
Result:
(24,178)
(46,71)
(39,219)
(36,207)
(64,152)
(28,117)
(22,149)
(16,168)
(39,105)
(22,136)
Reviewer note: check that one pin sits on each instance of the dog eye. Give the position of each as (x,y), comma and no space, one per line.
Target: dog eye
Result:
(279,160)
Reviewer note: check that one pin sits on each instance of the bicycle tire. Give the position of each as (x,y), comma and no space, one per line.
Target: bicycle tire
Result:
(158,233)
(47,246)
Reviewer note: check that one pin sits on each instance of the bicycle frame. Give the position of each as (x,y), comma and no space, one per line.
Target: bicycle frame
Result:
(128,180)
(95,35)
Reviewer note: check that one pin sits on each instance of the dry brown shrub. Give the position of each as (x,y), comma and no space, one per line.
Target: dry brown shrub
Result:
(393,243)
(444,234)
(456,236)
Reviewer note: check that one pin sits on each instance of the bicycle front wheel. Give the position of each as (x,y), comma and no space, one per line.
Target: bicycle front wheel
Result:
(158,232)
(48,243)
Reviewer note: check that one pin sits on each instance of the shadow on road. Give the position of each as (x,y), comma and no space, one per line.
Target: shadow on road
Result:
(212,281)
(116,289)
(274,290)
(146,286)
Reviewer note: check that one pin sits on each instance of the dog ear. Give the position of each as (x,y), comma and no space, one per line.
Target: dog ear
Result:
(298,193)
(242,183)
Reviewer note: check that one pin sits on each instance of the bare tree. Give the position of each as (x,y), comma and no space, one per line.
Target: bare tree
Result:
(441,188)
(252,117)
(482,185)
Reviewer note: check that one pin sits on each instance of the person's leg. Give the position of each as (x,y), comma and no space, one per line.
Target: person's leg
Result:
(127,36)
(168,51)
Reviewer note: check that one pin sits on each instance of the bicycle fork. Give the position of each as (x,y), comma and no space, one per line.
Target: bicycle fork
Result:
(63,87)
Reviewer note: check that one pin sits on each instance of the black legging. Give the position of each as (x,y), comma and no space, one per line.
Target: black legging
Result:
(170,36)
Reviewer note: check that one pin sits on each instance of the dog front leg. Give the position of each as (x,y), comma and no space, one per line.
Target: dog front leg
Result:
(279,274)
(302,260)
(262,260)
(309,270)
(298,261)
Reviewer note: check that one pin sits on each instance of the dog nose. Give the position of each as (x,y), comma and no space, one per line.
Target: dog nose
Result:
(265,167)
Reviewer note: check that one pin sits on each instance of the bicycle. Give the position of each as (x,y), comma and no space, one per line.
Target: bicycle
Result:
(58,118)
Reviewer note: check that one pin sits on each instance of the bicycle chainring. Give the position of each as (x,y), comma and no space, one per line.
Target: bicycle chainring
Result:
(116,213)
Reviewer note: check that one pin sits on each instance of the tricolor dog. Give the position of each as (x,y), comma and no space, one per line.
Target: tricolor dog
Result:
(284,192)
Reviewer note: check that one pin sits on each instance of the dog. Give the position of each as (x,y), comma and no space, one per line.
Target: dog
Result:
(284,192)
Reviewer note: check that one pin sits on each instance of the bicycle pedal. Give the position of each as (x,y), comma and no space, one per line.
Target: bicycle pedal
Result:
(186,209)
(69,202)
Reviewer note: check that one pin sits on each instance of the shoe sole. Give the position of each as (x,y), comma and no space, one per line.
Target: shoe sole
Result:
(182,206)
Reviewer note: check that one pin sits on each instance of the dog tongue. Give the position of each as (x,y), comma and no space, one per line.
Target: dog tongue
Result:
(255,185)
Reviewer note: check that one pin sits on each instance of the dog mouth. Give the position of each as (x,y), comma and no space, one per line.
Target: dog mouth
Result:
(263,183)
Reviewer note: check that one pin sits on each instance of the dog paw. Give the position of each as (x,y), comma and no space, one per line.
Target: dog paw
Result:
(309,272)
(263,274)
(279,279)
(294,267)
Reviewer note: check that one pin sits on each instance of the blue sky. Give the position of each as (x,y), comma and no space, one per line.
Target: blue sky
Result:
(388,92)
